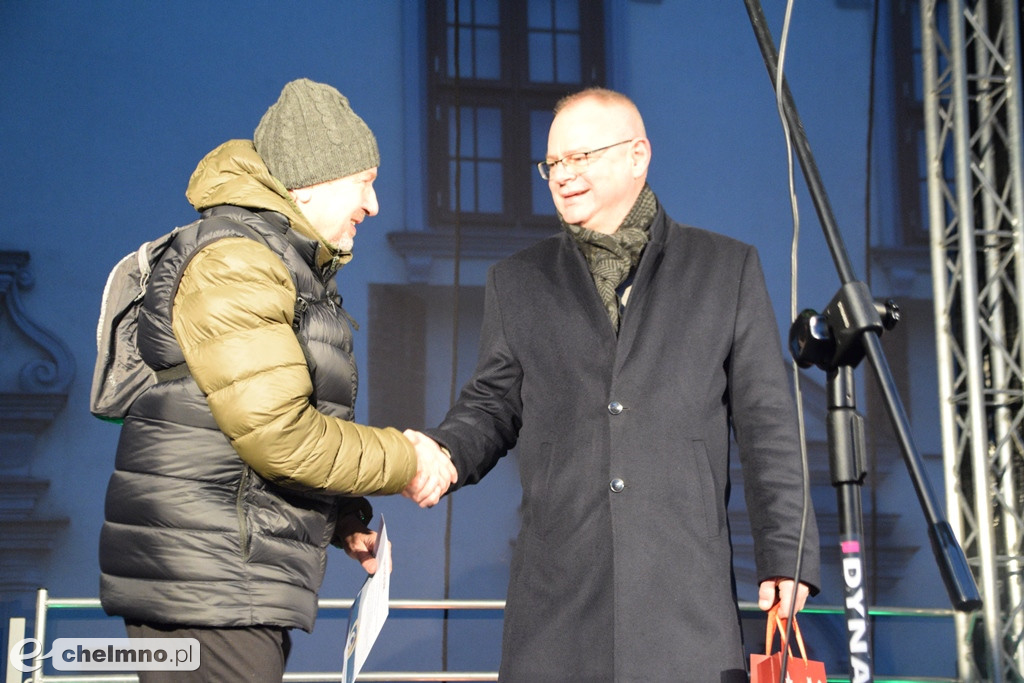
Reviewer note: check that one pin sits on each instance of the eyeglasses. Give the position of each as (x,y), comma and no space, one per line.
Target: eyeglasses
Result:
(577,162)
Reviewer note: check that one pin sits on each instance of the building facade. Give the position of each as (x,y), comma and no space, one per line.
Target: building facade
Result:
(109,106)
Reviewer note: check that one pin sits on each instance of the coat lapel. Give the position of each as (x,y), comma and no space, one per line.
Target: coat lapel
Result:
(634,318)
(574,276)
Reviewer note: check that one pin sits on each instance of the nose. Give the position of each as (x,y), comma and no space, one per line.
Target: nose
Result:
(370,205)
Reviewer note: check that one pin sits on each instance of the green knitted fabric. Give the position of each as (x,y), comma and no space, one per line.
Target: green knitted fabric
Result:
(311,135)
(611,258)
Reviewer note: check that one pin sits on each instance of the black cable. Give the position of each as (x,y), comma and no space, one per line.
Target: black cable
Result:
(873,451)
(870,141)
(456,283)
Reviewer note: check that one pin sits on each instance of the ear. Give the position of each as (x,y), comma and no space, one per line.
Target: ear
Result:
(640,157)
(300,195)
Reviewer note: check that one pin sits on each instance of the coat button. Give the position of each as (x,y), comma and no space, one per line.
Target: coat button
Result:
(614,407)
(617,485)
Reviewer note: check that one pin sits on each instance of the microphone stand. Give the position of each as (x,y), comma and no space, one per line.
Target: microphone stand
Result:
(836,341)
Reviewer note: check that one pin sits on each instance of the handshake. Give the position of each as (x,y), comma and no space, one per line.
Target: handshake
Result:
(434,471)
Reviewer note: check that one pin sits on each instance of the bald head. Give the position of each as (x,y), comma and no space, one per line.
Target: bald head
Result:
(608,98)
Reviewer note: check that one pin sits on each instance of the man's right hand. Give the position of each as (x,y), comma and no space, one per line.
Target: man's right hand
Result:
(435,472)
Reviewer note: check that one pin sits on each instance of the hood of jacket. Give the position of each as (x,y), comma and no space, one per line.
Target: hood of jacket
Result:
(234,173)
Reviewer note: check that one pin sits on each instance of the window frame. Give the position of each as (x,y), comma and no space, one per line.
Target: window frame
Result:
(513,95)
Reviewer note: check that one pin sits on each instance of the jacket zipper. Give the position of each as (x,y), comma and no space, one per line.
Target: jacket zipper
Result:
(243,526)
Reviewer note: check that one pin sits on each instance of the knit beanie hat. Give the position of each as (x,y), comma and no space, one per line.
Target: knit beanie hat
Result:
(311,135)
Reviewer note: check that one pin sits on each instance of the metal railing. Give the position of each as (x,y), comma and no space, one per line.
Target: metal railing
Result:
(45,603)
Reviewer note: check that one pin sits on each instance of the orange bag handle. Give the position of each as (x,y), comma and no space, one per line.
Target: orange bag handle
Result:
(774,620)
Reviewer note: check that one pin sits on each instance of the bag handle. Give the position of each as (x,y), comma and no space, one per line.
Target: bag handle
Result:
(774,620)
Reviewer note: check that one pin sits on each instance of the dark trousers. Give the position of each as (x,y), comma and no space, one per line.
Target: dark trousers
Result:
(254,654)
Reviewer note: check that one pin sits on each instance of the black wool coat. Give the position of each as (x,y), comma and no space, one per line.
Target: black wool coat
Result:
(623,566)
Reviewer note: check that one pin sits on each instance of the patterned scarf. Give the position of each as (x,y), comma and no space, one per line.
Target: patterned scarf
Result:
(611,258)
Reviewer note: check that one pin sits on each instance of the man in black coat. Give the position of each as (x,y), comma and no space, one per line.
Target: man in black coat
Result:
(616,356)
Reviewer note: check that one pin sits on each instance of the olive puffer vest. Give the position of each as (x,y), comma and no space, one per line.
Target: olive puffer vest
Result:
(192,535)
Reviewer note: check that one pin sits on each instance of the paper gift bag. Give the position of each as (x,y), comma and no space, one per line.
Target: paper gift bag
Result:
(767,668)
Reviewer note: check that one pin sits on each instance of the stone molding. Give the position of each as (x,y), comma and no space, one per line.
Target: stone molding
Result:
(36,370)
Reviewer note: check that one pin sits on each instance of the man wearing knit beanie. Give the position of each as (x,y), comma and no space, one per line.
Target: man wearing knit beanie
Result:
(324,155)
(237,469)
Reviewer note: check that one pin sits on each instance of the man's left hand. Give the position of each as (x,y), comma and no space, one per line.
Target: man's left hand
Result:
(359,542)
(781,590)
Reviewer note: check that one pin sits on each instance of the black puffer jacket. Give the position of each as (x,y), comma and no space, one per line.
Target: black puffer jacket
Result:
(226,484)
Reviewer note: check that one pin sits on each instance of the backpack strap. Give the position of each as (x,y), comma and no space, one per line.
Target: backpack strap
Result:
(174,372)
(227,227)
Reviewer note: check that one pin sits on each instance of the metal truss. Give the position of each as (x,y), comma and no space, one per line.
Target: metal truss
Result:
(972,108)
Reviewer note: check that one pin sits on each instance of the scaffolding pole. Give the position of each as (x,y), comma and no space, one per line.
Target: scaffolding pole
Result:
(972,109)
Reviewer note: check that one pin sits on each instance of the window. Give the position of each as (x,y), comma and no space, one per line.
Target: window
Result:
(497,67)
